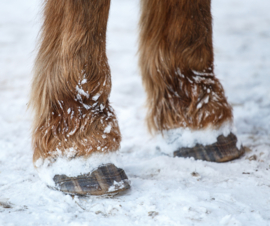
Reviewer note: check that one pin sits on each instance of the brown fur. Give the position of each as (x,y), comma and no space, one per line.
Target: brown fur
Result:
(71,58)
(176,60)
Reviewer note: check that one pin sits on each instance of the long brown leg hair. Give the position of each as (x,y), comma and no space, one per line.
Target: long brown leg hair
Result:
(72,82)
(176,61)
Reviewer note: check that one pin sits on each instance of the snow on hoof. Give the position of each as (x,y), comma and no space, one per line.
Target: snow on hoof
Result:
(105,180)
(225,149)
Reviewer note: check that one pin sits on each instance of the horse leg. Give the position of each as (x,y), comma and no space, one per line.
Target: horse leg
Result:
(73,119)
(176,61)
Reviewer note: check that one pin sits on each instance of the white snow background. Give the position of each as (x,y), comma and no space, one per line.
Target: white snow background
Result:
(165,190)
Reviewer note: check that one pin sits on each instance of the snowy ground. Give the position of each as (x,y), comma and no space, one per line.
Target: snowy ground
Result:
(165,190)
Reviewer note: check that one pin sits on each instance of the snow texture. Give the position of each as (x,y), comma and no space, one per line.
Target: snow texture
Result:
(165,190)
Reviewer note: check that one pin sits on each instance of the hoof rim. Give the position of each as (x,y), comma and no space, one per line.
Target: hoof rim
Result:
(105,180)
(223,150)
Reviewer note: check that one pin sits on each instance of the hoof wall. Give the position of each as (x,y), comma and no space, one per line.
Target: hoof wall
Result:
(223,150)
(105,180)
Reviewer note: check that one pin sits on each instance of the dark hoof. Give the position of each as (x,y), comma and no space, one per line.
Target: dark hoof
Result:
(223,150)
(105,180)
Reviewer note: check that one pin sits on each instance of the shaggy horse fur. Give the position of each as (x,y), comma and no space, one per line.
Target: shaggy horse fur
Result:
(72,80)
(176,60)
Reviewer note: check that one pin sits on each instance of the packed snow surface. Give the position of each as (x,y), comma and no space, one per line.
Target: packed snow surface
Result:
(165,190)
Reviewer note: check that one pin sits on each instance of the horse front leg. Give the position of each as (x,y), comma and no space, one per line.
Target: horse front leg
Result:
(72,81)
(176,61)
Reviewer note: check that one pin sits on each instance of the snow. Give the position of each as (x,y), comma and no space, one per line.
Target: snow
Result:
(84,81)
(117,185)
(202,73)
(95,98)
(165,190)
(108,129)
(185,137)
(81,92)
(202,102)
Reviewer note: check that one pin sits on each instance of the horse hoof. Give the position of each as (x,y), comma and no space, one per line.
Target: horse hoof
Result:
(223,150)
(105,180)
